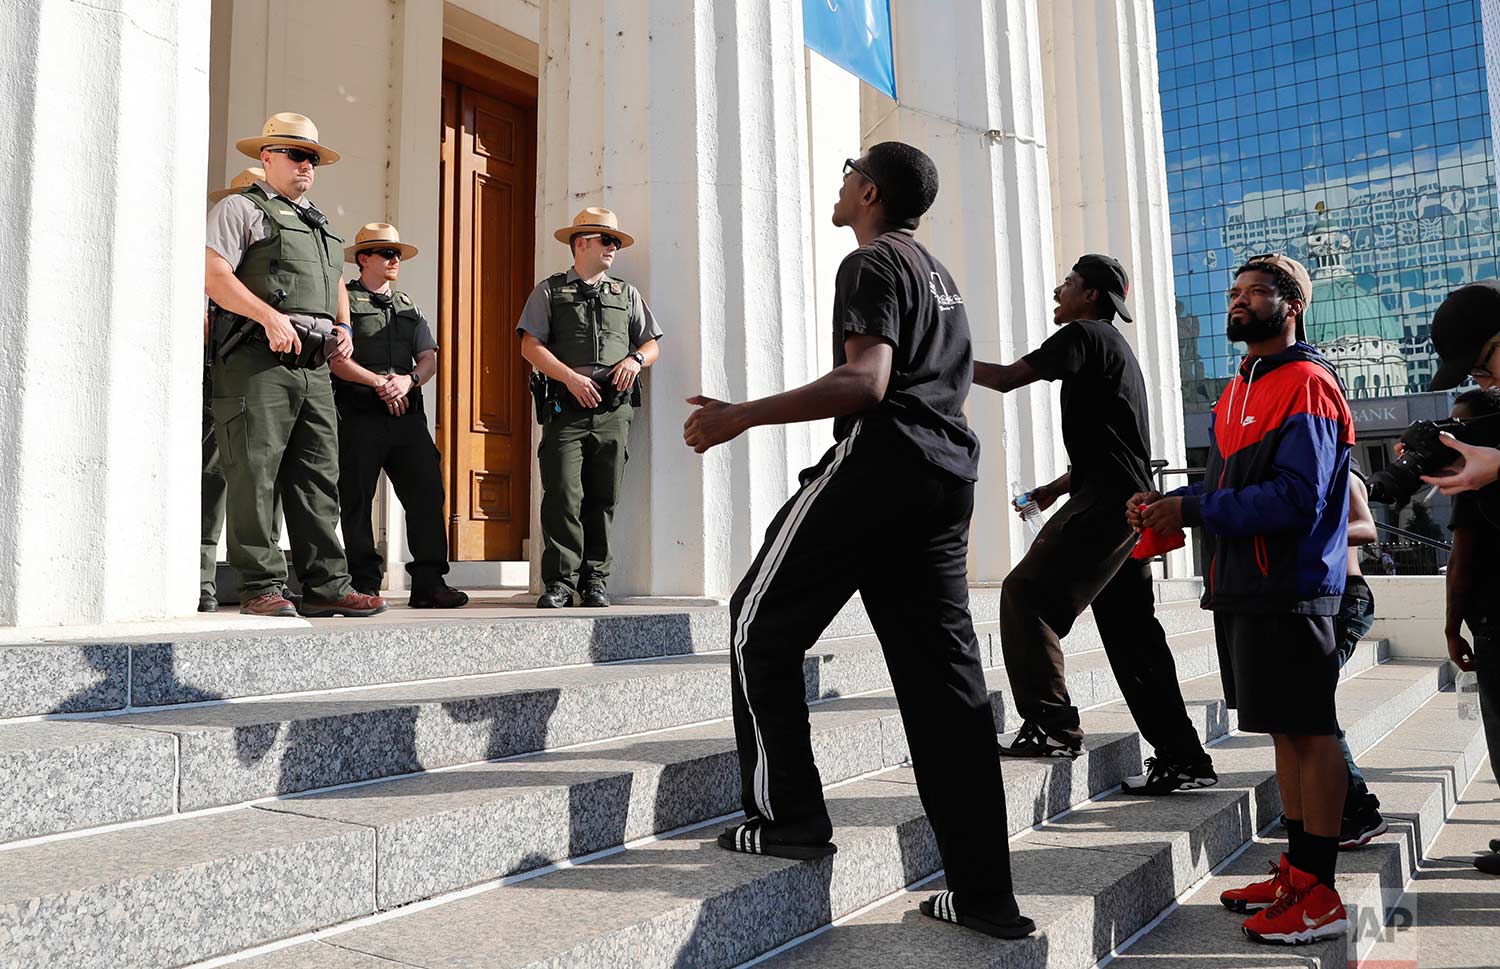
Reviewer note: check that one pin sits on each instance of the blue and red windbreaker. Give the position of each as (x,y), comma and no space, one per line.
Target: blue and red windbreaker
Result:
(1274,506)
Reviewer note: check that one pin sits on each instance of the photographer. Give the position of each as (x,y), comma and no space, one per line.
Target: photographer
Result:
(1472,582)
(1466,336)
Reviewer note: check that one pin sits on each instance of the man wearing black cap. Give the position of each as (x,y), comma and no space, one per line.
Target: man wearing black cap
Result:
(1466,335)
(1082,555)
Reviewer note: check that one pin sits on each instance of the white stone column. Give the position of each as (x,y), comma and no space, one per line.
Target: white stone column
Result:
(104,127)
(686,118)
(1109,184)
(833,136)
(970,83)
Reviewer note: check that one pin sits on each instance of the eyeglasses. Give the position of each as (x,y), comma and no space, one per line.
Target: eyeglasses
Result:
(386,253)
(298,156)
(850,165)
(605,239)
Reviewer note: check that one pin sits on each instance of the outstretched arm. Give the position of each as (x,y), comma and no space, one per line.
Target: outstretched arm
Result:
(1005,377)
(849,388)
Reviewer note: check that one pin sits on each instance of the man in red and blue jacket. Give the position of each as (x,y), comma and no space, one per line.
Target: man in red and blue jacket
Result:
(1274,510)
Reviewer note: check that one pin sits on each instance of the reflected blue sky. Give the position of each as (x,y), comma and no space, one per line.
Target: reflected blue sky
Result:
(1354,135)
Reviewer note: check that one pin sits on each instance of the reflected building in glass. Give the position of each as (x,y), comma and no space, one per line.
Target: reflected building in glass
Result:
(1354,135)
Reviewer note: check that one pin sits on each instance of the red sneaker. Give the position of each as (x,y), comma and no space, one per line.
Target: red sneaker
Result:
(1307,911)
(1253,898)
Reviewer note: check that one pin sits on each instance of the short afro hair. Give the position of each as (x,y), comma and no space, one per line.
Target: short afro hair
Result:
(1483,401)
(907,180)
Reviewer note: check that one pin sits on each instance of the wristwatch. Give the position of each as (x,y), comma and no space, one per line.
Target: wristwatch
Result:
(639,357)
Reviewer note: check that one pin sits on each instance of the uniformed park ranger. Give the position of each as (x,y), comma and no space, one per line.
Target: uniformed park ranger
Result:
(275,270)
(382,424)
(588,336)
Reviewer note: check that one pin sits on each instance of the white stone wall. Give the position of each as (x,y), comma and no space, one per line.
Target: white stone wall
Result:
(103,125)
(972,98)
(1109,185)
(833,123)
(704,157)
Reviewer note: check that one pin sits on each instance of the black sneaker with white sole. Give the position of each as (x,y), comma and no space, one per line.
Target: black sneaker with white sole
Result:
(1032,741)
(1359,828)
(1164,777)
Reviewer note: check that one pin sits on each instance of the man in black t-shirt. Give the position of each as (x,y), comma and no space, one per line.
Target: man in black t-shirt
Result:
(1082,555)
(885,513)
(1473,588)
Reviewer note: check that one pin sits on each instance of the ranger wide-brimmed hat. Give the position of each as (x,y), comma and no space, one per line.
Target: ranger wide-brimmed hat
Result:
(287,130)
(246,178)
(594,219)
(378,235)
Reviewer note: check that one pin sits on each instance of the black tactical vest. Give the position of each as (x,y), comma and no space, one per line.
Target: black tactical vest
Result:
(384,330)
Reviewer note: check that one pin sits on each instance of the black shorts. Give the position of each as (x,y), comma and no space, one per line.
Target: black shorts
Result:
(1280,671)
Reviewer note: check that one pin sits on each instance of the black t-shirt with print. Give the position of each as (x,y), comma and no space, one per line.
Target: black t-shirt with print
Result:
(1104,423)
(1484,565)
(893,288)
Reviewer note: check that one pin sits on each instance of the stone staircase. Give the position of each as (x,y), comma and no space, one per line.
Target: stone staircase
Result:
(545,791)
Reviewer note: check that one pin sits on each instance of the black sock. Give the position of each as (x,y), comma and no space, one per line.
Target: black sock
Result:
(1319,856)
(1294,837)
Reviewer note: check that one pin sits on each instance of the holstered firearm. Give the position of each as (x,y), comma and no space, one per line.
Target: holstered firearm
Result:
(552,398)
(317,338)
(231,329)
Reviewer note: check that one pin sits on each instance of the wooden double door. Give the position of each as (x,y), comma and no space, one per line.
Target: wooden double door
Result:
(488,233)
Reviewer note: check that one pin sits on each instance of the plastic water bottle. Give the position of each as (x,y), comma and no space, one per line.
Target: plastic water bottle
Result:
(1467,684)
(1026,505)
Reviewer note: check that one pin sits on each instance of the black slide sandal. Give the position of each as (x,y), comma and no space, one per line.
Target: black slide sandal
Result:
(749,838)
(941,907)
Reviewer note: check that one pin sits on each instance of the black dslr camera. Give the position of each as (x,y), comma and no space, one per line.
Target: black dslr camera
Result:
(1425,453)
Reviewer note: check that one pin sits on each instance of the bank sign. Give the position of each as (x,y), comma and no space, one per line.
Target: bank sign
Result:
(855,35)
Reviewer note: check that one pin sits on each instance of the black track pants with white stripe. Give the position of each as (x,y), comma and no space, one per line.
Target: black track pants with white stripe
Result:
(873,517)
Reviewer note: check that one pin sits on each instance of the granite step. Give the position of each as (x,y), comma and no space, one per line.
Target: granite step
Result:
(441,830)
(1419,772)
(682,901)
(63,775)
(192,758)
(228,753)
(1096,876)
(80,677)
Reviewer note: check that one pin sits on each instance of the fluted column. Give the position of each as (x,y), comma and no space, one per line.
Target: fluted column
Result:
(686,117)
(104,130)
(1109,182)
(970,83)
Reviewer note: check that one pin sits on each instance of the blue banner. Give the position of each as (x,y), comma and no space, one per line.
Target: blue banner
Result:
(855,35)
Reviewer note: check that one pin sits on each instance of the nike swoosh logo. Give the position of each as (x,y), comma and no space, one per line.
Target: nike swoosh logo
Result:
(1320,920)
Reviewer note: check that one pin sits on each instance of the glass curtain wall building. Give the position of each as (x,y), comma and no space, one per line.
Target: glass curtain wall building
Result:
(1354,135)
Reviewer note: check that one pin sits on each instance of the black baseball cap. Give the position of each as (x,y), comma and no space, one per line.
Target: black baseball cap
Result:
(1460,329)
(1105,274)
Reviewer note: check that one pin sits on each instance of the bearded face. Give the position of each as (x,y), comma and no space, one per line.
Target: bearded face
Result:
(1245,325)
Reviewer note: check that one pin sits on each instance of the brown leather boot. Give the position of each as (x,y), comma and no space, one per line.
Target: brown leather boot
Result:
(353,604)
(268,604)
